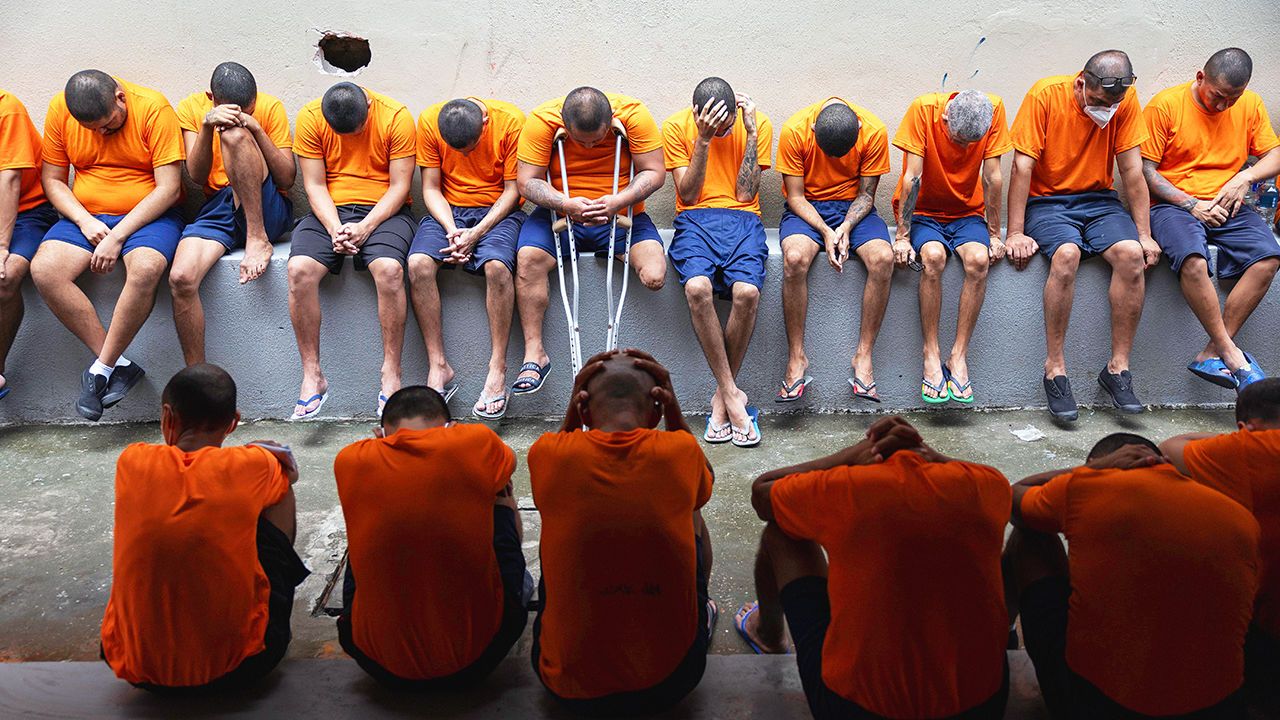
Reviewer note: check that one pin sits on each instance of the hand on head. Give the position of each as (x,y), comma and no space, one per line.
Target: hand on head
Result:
(1127,457)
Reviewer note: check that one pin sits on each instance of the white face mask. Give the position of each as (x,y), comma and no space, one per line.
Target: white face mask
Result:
(1102,115)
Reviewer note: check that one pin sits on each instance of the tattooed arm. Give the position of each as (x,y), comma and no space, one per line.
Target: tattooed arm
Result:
(864,203)
(748,185)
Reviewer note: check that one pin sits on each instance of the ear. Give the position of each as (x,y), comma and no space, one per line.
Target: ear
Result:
(379,432)
(168,420)
(1200,76)
(584,412)
(235,423)
(208,95)
(120,96)
(1246,425)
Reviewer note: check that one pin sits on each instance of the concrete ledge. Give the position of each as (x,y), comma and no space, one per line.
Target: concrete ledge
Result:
(734,687)
(249,333)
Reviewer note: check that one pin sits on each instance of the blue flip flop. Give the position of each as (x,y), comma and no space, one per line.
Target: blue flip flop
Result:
(382,402)
(754,413)
(4,391)
(1214,371)
(740,623)
(295,417)
(951,382)
(529,386)
(1244,378)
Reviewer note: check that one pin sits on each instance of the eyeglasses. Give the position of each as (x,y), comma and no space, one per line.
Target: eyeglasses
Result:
(1111,82)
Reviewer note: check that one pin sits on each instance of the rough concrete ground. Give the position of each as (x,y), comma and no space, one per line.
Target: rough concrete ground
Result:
(57,485)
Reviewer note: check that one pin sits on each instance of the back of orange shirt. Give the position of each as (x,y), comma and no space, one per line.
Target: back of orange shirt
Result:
(419,513)
(114,172)
(357,166)
(620,607)
(1163,576)
(951,186)
(724,159)
(825,177)
(1073,155)
(918,623)
(1199,151)
(1242,465)
(475,179)
(267,110)
(188,596)
(590,169)
(20,150)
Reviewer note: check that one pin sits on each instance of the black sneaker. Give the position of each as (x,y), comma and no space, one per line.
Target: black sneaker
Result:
(1120,387)
(92,387)
(1062,404)
(122,381)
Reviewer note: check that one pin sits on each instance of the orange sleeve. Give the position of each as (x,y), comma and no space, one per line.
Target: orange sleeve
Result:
(187,116)
(163,137)
(510,147)
(16,152)
(692,457)
(913,135)
(54,148)
(642,131)
(1262,138)
(1155,117)
(535,141)
(800,503)
(1132,132)
(874,161)
(273,485)
(428,150)
(676,147)
(1030,124)
(307,141)
(499,457)
(402,137)
(998,139)
(764,141)
(277,127)
(1044,508)
(1225,462)
(790,152)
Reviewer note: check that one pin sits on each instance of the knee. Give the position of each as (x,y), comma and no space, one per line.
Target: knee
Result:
(422,268)
(1066,260)
(745,296)
(183,281)
(10,287)
(1194,266)
(1267,268)
(934,259)
(795,262)
(653,275)
(879,259)
(234,138)
(302,274)
(387,275)
(532,266)
(1127,260)
(495,274)
(698,292)
(145,272)
(976,266)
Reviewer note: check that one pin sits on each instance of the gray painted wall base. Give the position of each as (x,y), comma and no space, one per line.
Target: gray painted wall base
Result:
(249,333)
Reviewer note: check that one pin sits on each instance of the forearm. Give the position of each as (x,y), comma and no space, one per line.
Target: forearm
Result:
(200,156)
(1019,189)
(1161,189)
(748,184)
(803,209)
(907,208)
(1266,168)
(10,191)
(992,191)
(644,184)
(541,193)
(64,200)
(156,203)
(439,208)
(322,206)
(280,163)
(857,455)
(689,187)
(1135,191)
(391,202)
(507,202)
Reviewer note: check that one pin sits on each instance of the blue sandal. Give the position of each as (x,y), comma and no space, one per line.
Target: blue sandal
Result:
(529,386)
(1214,371)
(959,387)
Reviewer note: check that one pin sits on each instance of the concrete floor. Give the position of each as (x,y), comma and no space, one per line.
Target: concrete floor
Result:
(56,519)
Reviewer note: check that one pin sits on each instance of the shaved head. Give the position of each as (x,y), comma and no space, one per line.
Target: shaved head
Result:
(1232,67)
(90,95)
(586,110)
(1108,63)
(620,388)
(1115,441)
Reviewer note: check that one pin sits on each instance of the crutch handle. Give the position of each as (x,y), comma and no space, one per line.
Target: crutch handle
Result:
(560,135)
(560,224)
(619,128)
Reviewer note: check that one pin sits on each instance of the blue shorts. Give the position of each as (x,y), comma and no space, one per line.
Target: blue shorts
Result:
(1094,221)
(498,244)
(29,229)
(536,232)
(725,246)
(160,234)
(1241,241)
(833,212)
(952,234)
(220,220)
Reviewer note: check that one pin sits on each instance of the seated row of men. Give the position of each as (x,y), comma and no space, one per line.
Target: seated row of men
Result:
(1180,161)
(883,567)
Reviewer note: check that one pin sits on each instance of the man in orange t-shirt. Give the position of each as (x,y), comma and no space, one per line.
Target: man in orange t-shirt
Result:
(126,147)
(951,148)
(831,156)
(626,618)
(435,540)
(912,622)
(1067,135)
(1242,466)
(239,150)
(586,115)
(203,569)
(718,248)
(25,216)
(1146,615)
(355,149)
(1200,135)
(467,152)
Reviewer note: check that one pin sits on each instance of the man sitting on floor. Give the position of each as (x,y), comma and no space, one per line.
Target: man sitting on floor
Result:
(203,568)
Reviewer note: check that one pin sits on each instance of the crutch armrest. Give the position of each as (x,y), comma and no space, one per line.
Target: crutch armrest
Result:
(619,128)
(560,224)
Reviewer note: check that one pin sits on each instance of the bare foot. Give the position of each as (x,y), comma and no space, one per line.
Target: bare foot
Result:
(751,626)
(862,370)
(439,376)
(958,365)
(796,369)
(257,255)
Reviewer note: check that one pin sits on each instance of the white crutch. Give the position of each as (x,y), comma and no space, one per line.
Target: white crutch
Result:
(558,224)
(615,319)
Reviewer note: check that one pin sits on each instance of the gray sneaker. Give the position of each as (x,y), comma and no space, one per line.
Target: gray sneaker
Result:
(1062,404)
(122,381)
(92,386)
(1120,387)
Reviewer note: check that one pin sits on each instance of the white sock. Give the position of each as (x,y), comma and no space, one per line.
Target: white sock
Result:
(123,362)
(97,368)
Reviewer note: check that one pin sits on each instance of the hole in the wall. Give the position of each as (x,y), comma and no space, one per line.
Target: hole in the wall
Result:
(344,53)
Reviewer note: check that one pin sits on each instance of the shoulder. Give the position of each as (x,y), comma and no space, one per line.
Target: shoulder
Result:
(505,114)
(11,105)
(679,118)
(152,100)
(431,116)
(625,104)
(867,119)
(265,104)
(548,111)
(799,121)
(309,116)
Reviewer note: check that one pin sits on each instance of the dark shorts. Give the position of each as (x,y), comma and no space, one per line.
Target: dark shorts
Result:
(30,227)
(285,572)
(498,244)
(952,234)
(1044,609)
(160,234)
(807,606)
(1094,221)
(536,232)
(220,220)
(725,246)
(1241,241)
(1262,671)
(517,586)
(833,212)
(389,240)
(666,693)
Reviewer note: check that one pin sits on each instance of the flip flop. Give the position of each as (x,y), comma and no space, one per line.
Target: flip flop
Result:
(940,391)
(448,392)
(382,402)
(712,433)
(485,400)
(529,386)
(754,414)
(1214,371)
(861,390)
(959,387)
(305,415)
(740,622)
(713,616)
(785,396)
(4,391)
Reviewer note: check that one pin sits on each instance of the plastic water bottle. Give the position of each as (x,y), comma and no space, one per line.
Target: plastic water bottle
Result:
(1268,196)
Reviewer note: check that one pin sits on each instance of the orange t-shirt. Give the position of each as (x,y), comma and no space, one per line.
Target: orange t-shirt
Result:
(1163,576)
(357,167)
(267,110)
(825,177)
(724,159)
(951,187)
(419,512)
(114,172)
(20,150)
(1242,465)
(918,622)
(474,180)
(619,567)
(188,596)
(590,169)
(1198,151)
(1073,155)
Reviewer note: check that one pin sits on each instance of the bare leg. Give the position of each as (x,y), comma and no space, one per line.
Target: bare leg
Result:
(1059,291)
(1248,292)
(977,263)
(532,297)
(1202,298)
(143,269)
(877,255)
(1128,291)
(388,278)
(706,324)
(798,252)
(195,257)
(780,560)
(933,256)
(304,311)
(54,270)
(423,280)
(499,301)
(650,263)
(738,331)
(11,307)
(246,171)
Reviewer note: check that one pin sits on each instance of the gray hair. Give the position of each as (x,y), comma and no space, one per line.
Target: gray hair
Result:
(969,115)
